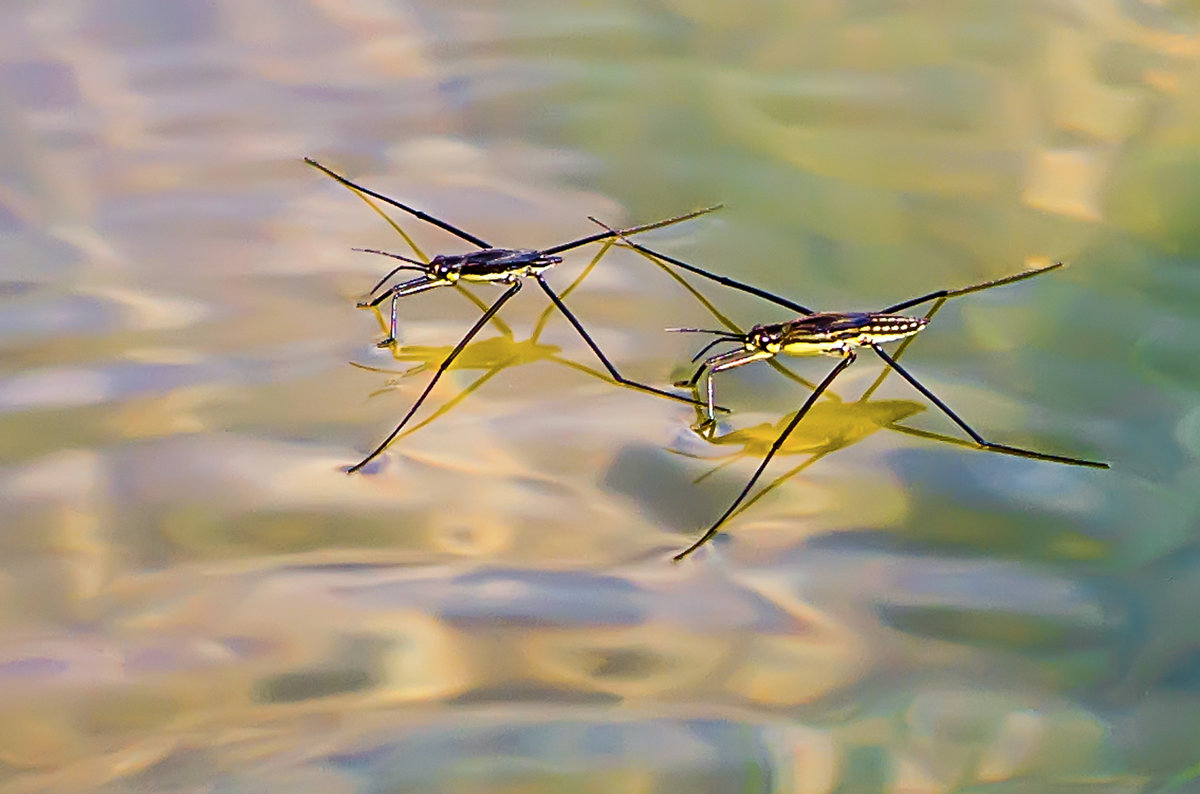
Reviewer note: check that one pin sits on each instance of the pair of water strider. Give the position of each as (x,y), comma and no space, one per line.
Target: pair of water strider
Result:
(838,334)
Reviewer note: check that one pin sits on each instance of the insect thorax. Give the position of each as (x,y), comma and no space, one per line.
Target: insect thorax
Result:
(834,333)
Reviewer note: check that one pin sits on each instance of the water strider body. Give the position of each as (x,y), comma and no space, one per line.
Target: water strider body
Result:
(504,266)
(839,334)
(822,333)
(507,267)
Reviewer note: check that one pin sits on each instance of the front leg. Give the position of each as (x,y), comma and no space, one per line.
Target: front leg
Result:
(705,414)
(397,292)
(608,365)
(711,366)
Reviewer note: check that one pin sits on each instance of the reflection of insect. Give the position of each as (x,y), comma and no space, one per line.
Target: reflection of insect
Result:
(501,266)
(833,334)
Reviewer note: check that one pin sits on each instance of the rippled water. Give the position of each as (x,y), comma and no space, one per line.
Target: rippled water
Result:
(196,596)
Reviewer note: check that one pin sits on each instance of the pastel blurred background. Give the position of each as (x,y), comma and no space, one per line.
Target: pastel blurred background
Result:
(195,597)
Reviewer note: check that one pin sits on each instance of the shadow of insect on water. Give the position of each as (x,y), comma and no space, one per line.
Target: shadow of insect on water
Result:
(828,427)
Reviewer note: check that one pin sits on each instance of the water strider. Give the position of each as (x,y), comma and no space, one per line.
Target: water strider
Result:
(507,267)
(839,334)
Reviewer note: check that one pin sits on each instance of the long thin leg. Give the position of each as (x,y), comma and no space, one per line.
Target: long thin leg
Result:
(482,321)
(725,280)
(978,439)
(612,370)
(501,326)
(700,353)
(584,368)
(412,265)
(454,401)
(720,466)
(403,290)
(691,382)
(866,395)
(416,213)
(488,375)
(695,293)
(932,436)
(397,294)
(548,312)
(782,478)
(411,287)
(787,431)
(416,249)
(941,296)
(730,360)
(954,293)
(687,216)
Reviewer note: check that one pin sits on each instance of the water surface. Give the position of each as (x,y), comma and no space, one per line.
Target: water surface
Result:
(197,597)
